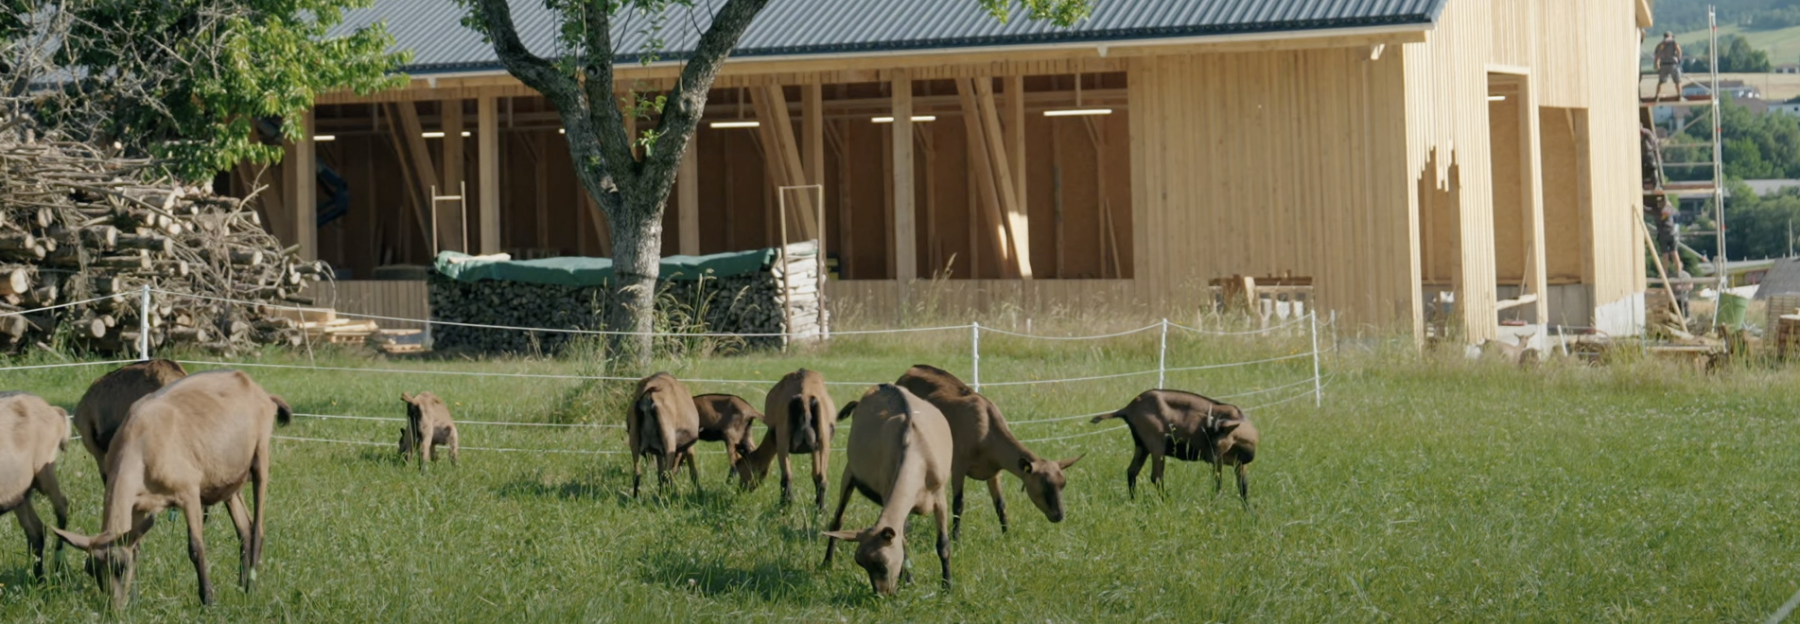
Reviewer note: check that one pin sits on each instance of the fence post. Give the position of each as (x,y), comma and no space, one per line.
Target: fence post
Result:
(1318,387)
(144,325)
(975,352)
(1162,357)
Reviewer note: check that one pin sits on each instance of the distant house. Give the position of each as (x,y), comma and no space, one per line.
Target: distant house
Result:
(1790,108)
(1787,68)
(1735,88)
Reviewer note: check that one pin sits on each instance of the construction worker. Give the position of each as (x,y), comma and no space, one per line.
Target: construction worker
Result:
(1668,64)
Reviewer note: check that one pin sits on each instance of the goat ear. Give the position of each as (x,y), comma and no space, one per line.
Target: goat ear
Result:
(406,397)
(1066,463)
(79,541)
(1025,465)
(1225,428)
(848,536)
(886,534)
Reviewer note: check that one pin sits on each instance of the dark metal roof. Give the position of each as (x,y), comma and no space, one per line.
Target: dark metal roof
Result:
(432,29)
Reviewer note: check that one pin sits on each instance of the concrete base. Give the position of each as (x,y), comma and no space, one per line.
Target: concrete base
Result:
(1624,317)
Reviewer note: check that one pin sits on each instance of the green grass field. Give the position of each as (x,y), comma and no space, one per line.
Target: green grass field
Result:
(1427,489)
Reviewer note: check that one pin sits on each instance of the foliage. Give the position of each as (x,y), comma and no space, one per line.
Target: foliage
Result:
(186,80)
(1756,146)
(1740,57)
(1759,226)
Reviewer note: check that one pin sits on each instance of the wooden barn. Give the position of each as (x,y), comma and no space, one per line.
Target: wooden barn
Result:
(1420,161)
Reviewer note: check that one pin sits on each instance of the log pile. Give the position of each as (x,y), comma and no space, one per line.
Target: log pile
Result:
(78,222)
(750,303)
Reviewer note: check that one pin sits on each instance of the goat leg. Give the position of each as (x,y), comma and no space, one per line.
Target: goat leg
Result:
(637,473)
(821,463)
(191,510)
(1243,478)
(455,446)
(1131,472)
(34,533)
(240,518)
(46,483)
(943,538)
(787,478)
(693,467)
(956,509)
(999,503)
(837,519)
(1156,473)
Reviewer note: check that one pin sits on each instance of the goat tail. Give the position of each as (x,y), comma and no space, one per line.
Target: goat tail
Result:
(845,412)
(283,413)
(804,436)
(1117,414)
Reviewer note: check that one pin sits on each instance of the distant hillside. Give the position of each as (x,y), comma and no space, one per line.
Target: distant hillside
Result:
(1770,25)
(1690,15)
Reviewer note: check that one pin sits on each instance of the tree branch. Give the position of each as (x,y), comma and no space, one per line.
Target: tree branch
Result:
(603,105)
(533,70)
(688,99)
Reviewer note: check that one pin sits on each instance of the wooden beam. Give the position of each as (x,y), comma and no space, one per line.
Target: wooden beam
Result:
(780,145)
(812,135)
(905,250)
(687,197)
(306,192)
(1015,136)
(1645,17)
(487,128)
(982,165)
(451,213)
(1018,222)
(413,134)
(1531,181)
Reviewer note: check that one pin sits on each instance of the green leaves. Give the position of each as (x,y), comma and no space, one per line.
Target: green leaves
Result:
(1060,12)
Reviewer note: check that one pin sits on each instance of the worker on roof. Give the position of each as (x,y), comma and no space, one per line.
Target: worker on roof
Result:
(1668,65)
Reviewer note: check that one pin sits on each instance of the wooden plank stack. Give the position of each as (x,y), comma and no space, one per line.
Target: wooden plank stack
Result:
(751,303)
(78,222)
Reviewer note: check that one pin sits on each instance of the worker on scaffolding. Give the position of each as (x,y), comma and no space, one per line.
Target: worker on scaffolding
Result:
(1668,65)
(1651,157)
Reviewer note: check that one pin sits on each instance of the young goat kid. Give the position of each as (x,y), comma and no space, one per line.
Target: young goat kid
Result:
(727,418)
(428,426)
(191,445)
(985,446)
(798,413)
(108,401)
(664,423)
(1188,427)
(32,432)
(900,454)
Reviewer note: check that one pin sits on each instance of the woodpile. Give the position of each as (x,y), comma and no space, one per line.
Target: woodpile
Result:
(749,303)
(78,222)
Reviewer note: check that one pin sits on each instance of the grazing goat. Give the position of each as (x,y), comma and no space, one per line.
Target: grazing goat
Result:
(104,408)
(985,446)
(727,418)
(1189,427)
(32,432)
(664,423)
(190,445)
(900,454)
(428,426)
(798,413)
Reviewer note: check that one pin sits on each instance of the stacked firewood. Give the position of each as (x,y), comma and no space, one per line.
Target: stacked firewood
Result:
(748,304)
(77,222)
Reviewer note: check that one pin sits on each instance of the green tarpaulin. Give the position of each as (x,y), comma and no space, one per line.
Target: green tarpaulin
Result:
(578,271)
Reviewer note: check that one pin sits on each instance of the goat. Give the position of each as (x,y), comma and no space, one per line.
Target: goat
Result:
(190,445)
(727,418)
(1189,427)
(664,423)
(428,426)
(900,456)
(798,414)
(108,401)
(32,433)
(984,446)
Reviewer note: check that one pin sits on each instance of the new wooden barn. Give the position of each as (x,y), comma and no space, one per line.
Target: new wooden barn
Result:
(1390,150)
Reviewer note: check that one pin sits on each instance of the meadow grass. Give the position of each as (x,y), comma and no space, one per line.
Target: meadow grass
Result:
(1426,489)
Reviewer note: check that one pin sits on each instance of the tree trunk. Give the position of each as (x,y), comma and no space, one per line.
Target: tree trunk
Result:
(637,259)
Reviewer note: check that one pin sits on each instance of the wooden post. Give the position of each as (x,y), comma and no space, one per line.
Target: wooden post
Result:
(1531,175)
(982,164)
(1018,223)
(450,235)
(687,196)
(906,266)
(1015,135)
(306,191)
(487,125)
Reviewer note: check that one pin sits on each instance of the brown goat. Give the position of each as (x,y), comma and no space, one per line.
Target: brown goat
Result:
(798,412)
(900,454)
(727,418)
(32,432)
(1188,427)
(190,445)
(985,446)
(428,426)
(108,401)
(664,423)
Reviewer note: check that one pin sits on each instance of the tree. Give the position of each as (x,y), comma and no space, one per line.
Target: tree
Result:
(182,80)
(629,188)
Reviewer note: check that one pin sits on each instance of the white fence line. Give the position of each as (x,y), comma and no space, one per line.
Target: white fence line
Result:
(67,305)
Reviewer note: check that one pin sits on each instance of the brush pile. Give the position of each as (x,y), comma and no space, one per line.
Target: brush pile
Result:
(78,222)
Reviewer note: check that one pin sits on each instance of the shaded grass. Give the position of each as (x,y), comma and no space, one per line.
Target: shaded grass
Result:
(1428,489)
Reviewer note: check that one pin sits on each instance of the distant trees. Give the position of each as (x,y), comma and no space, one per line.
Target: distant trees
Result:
(1739,57)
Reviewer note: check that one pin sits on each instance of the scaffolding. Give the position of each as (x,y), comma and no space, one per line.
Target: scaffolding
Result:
(1684,112)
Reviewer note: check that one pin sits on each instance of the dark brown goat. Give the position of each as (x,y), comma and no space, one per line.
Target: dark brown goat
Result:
(103,408)
(1188,427)
(727,418)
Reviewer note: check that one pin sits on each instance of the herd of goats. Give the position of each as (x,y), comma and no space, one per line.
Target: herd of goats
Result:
(166,439)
